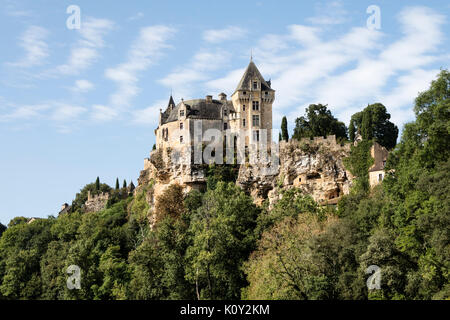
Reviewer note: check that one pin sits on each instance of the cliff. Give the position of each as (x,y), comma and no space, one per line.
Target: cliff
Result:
(314,166)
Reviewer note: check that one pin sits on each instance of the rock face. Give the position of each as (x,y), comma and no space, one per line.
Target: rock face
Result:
(314,166)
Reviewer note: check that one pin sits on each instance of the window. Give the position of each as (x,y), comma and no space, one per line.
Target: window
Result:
(244,107)
(256,135)
(255,85)
(266,93)
(181,125)
(380,177)
(225,112)
(243,122)
(384,163)
(181,139)
(255,105)
(225,126)
(245,92)
(181,113)
(255,120)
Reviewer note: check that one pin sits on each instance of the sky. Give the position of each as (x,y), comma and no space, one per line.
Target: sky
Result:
(77,103)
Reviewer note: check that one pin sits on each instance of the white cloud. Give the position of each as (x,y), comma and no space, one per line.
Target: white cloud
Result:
(85,52)
(137,16)
(103,113)
(24,112)
(200,68)
(150,115)
(331,13)
(226,34)
(36,49)
(146,49)
(65,112)
(82,85)
(349,71)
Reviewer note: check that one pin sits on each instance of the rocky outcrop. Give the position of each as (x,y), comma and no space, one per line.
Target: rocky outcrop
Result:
(314,166)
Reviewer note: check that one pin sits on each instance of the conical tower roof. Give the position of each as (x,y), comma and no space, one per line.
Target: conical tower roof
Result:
(250,73)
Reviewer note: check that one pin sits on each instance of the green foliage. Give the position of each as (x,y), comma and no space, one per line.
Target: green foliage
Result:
(82,196)
(373,123)
(318,122)
(220,172)
(358,163)
(117,184)
(284,129)
(223,237)
(220,245)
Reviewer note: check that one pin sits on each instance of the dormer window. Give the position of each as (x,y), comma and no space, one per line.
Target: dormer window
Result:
(255,85)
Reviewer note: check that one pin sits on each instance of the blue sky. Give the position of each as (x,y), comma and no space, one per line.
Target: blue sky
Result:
(77,104)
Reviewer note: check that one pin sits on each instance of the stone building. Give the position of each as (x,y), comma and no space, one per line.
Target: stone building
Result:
(248,111)
(376,171)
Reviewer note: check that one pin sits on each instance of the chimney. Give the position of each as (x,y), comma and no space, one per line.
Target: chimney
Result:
(209,98)
(223,97)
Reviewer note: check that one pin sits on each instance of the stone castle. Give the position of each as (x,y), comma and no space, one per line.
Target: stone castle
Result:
(249,111)
(312,165)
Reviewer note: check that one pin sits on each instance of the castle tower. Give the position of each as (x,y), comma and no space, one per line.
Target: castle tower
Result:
(253,100)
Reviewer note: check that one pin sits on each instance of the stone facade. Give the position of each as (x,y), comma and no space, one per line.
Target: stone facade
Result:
(376,171)
(248,112)
(96,203)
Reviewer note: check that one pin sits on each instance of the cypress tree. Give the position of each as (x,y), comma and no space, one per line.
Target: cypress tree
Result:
(124,183)
(97,184)
(117,184)
(284,129)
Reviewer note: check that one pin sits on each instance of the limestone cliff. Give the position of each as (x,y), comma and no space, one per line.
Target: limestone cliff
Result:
(314,166)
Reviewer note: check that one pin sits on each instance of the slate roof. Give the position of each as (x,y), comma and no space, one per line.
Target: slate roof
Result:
(197,109)
(250,73)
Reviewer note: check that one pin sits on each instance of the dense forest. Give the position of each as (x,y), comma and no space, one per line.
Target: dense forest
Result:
(219,245)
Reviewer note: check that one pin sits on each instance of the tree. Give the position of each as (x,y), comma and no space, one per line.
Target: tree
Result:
(97,184)
(373,123)
(285,265)
(124,185)
(170,202)
(223,237)
(117,184)
(318,122)
(284,129)
(2,229)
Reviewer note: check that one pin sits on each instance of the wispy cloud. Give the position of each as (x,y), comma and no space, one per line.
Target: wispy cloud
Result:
(24,112)
(198,70)
(329,13)
(85,52)
(225,34)
(82,85)
(351,70)
(102,113)
(36,49)
(145,50)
